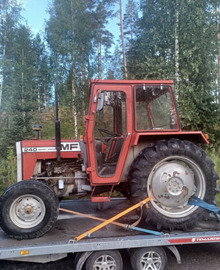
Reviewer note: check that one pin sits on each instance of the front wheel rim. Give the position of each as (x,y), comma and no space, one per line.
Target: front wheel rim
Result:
(27,211)
(171,184)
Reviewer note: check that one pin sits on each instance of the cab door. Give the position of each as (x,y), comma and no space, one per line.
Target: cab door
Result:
(108,133)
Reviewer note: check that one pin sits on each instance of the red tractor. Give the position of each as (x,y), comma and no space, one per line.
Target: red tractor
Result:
(133,143)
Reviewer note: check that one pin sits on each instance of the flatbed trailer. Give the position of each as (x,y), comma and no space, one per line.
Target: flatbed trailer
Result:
(104,245)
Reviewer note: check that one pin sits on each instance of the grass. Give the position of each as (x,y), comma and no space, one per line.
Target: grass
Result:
(215,156)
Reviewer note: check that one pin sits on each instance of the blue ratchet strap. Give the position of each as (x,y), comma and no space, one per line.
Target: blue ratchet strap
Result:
(211,207)
(145,230)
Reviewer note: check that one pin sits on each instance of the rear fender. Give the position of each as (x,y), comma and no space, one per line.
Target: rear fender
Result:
(193,136)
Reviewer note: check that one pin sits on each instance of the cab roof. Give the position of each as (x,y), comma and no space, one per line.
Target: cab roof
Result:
(133,82)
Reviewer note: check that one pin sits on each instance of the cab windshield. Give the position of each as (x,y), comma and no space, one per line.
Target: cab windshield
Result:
(155,108)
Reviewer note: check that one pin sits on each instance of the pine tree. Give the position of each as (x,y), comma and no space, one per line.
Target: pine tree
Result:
(20,90)
(9,17)
(103,39)
(153,49)
(177,40)
(115,66)
(43,79)
(74,32)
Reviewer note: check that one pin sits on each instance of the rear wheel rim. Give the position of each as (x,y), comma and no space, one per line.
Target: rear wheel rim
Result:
(150,261)
(172,182)
(27,211)
(104,262)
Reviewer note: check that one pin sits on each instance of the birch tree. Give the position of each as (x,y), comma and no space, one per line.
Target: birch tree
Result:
(123,41)
(216,5)
(177,74)
(130,27)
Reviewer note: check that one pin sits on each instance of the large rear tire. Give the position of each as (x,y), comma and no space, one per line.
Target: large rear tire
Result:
(28,209)
(171,172)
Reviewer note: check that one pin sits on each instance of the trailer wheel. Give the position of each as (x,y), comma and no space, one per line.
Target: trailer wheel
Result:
(171,172)
(154,258)
(105,260)
(28,209)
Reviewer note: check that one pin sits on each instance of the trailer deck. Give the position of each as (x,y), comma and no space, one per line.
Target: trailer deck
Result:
(60,240)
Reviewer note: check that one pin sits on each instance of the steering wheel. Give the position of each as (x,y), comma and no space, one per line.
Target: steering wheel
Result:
(102,130)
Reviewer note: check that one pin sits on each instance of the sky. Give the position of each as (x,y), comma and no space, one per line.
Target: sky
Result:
(35,14)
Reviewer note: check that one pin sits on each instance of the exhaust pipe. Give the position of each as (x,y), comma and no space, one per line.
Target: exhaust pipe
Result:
(57,126)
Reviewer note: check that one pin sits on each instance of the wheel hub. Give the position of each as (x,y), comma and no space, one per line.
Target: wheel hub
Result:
(149,261)
(172,184)
(27,211)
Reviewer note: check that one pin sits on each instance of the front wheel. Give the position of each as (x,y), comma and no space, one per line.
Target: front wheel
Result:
(28,209)
(171,172)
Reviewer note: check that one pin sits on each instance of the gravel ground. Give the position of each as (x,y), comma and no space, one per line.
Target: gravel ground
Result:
(196,257)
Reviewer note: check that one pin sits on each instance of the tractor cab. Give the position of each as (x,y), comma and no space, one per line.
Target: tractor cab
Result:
(119,110)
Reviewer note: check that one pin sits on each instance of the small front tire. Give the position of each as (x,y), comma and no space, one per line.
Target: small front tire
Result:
(28,209)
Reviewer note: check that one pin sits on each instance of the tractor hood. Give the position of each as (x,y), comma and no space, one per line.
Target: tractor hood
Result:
(29,152)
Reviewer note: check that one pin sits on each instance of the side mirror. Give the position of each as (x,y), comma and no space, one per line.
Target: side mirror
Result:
(100,101)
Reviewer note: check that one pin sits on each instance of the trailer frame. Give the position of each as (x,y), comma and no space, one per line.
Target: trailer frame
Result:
(51,250)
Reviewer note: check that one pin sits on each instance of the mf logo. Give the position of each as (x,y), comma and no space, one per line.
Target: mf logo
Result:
(70,147)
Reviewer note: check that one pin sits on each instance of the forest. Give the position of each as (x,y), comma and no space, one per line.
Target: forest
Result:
(160,39)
